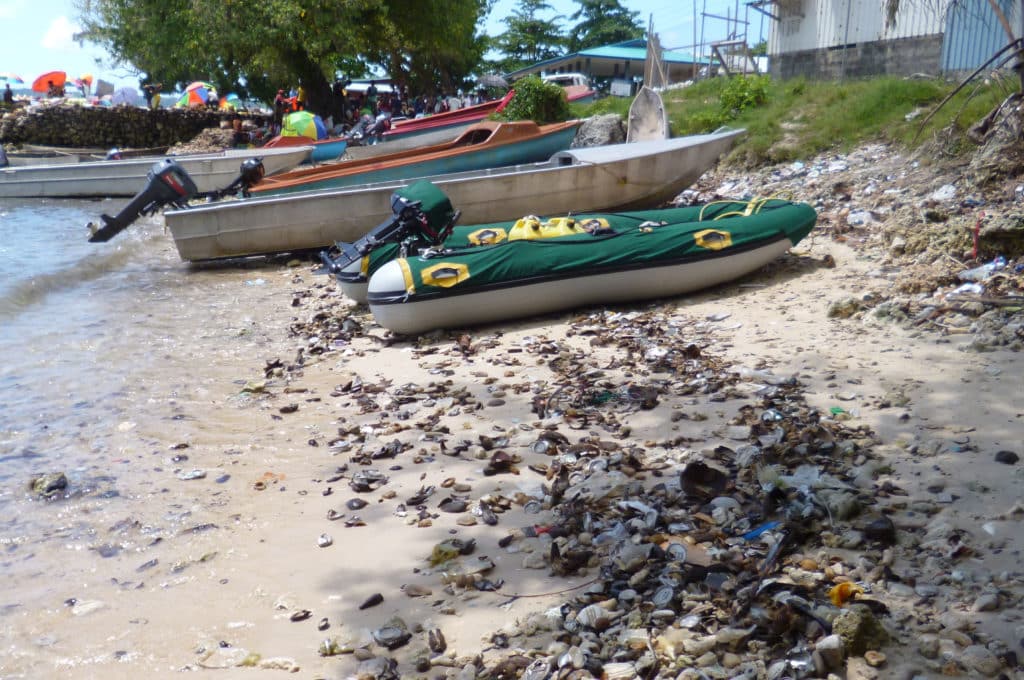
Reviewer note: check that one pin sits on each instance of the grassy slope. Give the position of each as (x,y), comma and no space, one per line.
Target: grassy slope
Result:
(795,119)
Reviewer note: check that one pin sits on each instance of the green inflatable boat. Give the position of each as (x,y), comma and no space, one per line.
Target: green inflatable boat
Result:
(477,274)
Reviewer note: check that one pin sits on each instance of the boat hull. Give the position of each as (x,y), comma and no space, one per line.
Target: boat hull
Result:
(127,177)
(647,117)
(614,177)
(515,279)
(324,150)
(505,144)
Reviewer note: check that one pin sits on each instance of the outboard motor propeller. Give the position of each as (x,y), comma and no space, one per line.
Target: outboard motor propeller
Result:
(168,184)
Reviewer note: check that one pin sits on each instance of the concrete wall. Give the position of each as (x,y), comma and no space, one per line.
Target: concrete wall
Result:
(901,57)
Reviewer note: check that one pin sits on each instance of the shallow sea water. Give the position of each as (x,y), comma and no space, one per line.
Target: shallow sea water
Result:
(109,352)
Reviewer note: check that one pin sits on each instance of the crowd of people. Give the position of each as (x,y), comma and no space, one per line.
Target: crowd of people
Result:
(351,104)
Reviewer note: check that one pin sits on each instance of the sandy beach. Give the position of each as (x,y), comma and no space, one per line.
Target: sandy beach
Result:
(246,550)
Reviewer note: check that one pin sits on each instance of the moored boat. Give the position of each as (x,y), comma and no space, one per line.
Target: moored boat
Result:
(324,150)
(613,177)
(576,85)
(534,266)
(648,118)
(488,144)
(412,127)
(116,178)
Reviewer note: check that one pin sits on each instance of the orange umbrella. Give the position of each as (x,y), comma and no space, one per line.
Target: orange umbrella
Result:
(42,83)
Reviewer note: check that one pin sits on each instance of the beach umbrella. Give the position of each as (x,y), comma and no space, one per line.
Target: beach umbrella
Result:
(197,97)
(42,83)
(203,85)
(304,124)
(8,77)
(125,95)
(232,101)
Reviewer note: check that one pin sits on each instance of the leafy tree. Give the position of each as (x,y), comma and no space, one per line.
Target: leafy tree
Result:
(255,47)
(602,22)
(529,38)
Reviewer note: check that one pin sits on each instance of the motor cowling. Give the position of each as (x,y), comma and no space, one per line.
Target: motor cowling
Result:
(167,184)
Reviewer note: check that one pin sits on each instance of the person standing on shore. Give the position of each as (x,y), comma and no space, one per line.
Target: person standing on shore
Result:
(8,96)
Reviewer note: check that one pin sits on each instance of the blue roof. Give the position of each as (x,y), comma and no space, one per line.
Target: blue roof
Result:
(632,50)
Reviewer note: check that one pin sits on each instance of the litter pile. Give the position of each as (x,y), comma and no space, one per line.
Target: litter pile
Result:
(948,238)
(699,519)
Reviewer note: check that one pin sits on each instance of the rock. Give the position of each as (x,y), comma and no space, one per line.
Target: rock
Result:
(982,660)
(1007,457)
(49,485)
(986,602)
(928,646)
(831,650)
(608,128)
(844,309)
(859,630)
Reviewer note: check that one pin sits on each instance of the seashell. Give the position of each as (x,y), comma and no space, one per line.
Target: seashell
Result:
(542,446)
(573,657)
(324,541)
(874,658)
(596,616)
(676,552)
(453,505)
(436,641)
(356,504)
(663,597)
(372,601)
(619,670)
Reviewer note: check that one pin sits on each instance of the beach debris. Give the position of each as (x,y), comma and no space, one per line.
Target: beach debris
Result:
(324,541)
(735,541)
(49,485)
(393,634)
(372,601)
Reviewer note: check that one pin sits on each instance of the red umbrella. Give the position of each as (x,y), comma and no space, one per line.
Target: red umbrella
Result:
(42,83)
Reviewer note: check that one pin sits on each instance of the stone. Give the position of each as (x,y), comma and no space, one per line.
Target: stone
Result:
(832,651)
(608,128)
(982,660)
(986,602)
(859,630)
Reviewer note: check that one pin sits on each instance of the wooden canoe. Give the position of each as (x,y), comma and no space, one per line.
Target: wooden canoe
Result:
(618,176)
(487,144)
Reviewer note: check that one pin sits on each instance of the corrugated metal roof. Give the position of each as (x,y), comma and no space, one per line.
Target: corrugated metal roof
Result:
(631,50)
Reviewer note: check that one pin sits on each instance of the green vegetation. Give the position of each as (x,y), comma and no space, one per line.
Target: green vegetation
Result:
(794,119)
(538,101)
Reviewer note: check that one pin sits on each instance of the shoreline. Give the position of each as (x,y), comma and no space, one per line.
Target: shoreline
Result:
(922,461)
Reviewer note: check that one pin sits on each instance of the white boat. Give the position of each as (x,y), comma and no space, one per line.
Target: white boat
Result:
(647,117)
(127,176)
(613,177)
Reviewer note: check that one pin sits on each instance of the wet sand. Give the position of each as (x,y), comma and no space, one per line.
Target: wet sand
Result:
(205,572)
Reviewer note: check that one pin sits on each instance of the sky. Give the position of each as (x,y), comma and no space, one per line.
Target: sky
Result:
(37,34)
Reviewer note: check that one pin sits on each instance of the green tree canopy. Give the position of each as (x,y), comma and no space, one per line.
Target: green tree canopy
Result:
(529,37)
(256,47)
(602,22)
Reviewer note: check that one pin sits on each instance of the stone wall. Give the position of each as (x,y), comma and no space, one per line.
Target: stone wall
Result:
(103,127)
(903,57)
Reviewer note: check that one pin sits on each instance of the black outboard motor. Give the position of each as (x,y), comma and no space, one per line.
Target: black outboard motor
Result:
(422,215)
(168,184)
